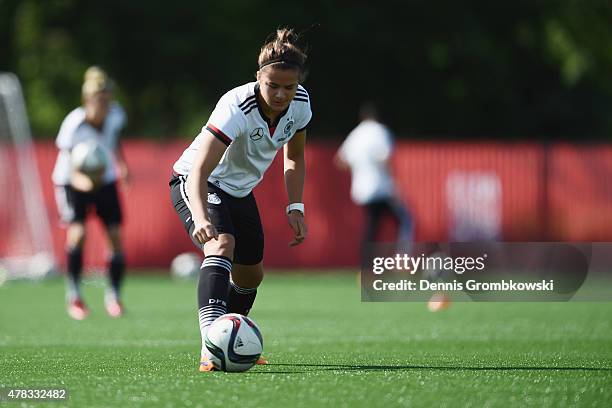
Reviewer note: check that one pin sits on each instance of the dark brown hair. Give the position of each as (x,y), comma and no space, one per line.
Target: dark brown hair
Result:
(282,51)
(368,110)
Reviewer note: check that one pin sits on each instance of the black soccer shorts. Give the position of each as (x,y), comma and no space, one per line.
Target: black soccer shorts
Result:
(73,205)
(236,216)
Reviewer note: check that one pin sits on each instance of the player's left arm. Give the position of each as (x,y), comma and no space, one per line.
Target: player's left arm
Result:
(120,121)
(295,172)
(122,166)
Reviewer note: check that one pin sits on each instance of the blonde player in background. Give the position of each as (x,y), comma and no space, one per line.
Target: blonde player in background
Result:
(212,184)
(99,120)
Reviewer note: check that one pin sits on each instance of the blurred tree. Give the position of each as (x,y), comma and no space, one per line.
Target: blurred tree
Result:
(438,69)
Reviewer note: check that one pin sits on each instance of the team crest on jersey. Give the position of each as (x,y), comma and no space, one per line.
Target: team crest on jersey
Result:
(256,134)
(288,127)
(213,198)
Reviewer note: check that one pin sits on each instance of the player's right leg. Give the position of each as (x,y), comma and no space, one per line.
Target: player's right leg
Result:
(213,286)
(373,217)
(405,227)
(108,209)
(75,238)
(213,282)
(72,207)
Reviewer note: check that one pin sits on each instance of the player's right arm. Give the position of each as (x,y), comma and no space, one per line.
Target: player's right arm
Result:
(208,157)
(340,158)
(65,142)
(340,162)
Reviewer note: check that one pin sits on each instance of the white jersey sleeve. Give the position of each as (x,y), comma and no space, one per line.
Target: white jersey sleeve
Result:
(227,121)
(385,145)
(306,112)
(115,121)
(120,117)
(66,137)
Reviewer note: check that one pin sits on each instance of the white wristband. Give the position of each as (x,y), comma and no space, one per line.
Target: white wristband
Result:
(295,206)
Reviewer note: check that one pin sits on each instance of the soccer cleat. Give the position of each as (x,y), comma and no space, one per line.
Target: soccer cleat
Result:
(77,309)
(114,308)
(261,361)
(206,365)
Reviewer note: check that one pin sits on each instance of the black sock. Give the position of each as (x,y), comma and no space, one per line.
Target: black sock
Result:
(212,290)
(74,264)
(240,300)
(116,271)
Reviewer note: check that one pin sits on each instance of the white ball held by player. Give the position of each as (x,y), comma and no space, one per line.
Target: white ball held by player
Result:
(89,157)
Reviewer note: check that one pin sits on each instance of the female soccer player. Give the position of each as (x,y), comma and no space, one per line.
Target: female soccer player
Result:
(100,119)
(212,181)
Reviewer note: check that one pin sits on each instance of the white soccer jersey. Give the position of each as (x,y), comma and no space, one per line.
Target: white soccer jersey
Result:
(239,122)
(366,150)
(75,130)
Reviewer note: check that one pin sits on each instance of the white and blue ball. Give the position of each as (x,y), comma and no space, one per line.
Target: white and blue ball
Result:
(89,157)
(233,343)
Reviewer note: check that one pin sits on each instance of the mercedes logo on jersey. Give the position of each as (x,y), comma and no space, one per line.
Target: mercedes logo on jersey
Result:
(256,134)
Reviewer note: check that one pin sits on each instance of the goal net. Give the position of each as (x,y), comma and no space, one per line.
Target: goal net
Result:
(26,249)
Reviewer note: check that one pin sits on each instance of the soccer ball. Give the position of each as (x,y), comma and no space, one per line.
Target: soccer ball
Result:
(186,265)
(233,343)
(89,157)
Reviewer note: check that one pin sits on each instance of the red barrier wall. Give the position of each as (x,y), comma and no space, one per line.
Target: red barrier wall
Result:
(580,193)
(523,190)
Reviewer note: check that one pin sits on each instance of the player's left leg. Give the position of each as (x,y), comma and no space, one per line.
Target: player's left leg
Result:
(116,272)
(247,273)
(405,228)
(108,209)
(243,287)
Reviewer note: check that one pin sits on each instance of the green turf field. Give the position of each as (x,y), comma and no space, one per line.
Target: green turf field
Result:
(326,349)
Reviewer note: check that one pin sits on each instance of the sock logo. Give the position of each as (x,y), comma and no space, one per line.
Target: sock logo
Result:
(216,302)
